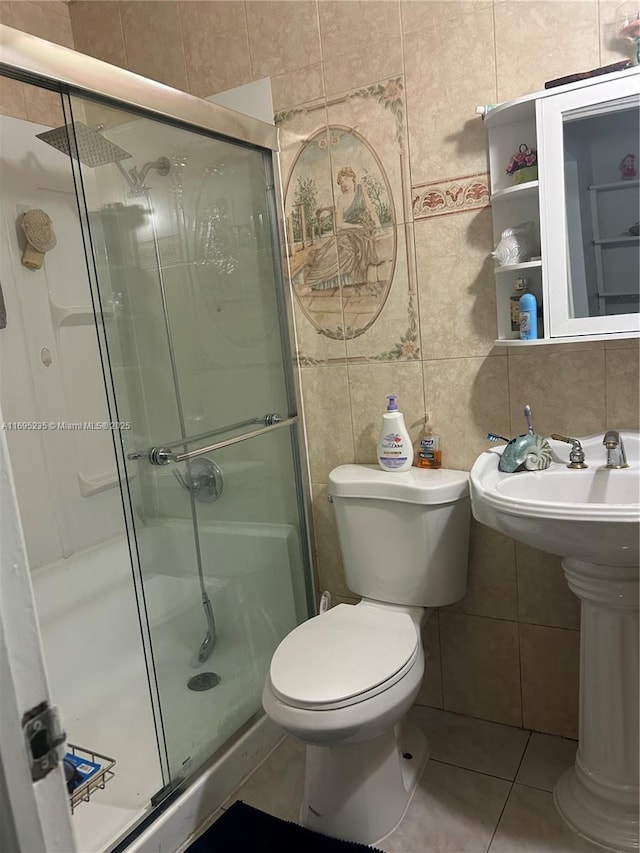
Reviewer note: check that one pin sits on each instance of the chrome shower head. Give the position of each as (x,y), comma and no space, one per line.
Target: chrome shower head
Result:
(91,148)
(87,145)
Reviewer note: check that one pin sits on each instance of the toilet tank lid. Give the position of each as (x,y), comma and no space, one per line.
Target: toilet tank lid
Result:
(417,485)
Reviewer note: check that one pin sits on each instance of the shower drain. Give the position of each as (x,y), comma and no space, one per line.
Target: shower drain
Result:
(203,681)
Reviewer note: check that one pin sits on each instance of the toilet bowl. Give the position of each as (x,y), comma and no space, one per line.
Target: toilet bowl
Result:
(368,664)
(342,682)
(347,675)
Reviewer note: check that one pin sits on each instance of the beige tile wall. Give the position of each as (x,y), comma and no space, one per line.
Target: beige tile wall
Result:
(509,650)
(48,20)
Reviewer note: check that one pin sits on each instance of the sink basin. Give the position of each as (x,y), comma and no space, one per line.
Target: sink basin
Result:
(590,514)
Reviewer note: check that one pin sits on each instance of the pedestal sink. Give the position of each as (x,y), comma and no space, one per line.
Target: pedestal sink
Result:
(591,518)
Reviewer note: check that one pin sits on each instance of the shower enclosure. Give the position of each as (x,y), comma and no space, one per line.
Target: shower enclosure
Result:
(150,413)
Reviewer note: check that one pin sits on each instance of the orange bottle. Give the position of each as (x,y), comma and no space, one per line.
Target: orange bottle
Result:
(428,451)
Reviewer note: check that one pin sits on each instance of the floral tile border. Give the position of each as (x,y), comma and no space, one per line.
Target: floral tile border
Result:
(450,195)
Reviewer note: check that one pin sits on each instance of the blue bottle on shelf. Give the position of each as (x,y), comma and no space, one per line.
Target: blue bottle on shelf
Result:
(528,317)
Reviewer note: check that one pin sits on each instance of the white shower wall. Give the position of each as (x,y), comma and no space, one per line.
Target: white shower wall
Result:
(65,478)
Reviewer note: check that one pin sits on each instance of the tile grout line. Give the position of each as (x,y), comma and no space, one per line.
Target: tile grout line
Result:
(524,752)
(508,797)
(472,770)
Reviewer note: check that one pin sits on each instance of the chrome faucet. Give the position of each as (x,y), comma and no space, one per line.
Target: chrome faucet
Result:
(616,454)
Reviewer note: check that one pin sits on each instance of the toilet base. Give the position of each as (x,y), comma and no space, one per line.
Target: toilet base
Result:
(361,791)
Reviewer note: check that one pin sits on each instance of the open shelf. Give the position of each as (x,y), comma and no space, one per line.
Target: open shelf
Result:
(530,188)
(567,339)
(525,265)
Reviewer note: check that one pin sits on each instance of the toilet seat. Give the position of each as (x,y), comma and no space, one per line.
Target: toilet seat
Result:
(344,656)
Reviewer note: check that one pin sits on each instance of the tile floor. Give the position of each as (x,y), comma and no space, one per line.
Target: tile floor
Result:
(485,789)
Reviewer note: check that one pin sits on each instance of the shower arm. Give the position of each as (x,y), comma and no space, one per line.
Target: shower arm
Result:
(135,177)
(164,455)
(133,183)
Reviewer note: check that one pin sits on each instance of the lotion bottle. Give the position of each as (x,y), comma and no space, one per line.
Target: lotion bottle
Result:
(395,452)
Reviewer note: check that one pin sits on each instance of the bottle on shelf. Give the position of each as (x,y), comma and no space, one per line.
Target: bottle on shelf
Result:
(528,316)
(519,285)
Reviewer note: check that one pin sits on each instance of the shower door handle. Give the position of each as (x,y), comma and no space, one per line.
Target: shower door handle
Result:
(3,310)
(163,455)
(266,420)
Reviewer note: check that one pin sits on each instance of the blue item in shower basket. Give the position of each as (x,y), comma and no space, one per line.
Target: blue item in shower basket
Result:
(82,770)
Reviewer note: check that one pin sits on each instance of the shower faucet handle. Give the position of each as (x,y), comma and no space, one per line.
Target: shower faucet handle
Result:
(204,480)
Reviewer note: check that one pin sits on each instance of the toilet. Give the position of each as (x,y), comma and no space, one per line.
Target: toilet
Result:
(343,681)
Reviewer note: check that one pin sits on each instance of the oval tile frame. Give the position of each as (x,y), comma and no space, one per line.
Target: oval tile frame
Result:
(334,271)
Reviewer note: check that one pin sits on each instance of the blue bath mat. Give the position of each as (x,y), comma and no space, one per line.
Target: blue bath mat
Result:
(242,828)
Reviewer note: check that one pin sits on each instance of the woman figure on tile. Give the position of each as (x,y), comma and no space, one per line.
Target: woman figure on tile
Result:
(356,222)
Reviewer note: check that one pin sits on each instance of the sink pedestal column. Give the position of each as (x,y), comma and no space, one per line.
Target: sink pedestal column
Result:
(599,796)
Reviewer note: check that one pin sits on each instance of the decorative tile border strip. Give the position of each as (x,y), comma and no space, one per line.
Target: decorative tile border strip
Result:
(450,195)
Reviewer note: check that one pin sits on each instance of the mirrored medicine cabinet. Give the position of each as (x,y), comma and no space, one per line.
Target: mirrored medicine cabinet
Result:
(584,204)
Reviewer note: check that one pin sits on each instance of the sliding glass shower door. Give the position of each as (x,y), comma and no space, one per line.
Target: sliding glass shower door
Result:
(181,239)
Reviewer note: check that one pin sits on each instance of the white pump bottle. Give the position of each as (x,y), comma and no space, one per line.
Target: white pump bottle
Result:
(395,450)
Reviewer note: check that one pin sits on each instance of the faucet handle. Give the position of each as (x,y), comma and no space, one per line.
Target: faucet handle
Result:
(576,457)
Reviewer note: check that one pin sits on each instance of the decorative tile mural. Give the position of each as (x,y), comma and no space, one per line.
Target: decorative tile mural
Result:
(346,198)
(342,246)
(451,195)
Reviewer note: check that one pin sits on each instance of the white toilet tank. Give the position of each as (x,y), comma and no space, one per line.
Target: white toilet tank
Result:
(404,536)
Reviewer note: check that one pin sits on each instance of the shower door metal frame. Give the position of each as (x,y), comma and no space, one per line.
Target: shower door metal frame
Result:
(40,63)
(33,60)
